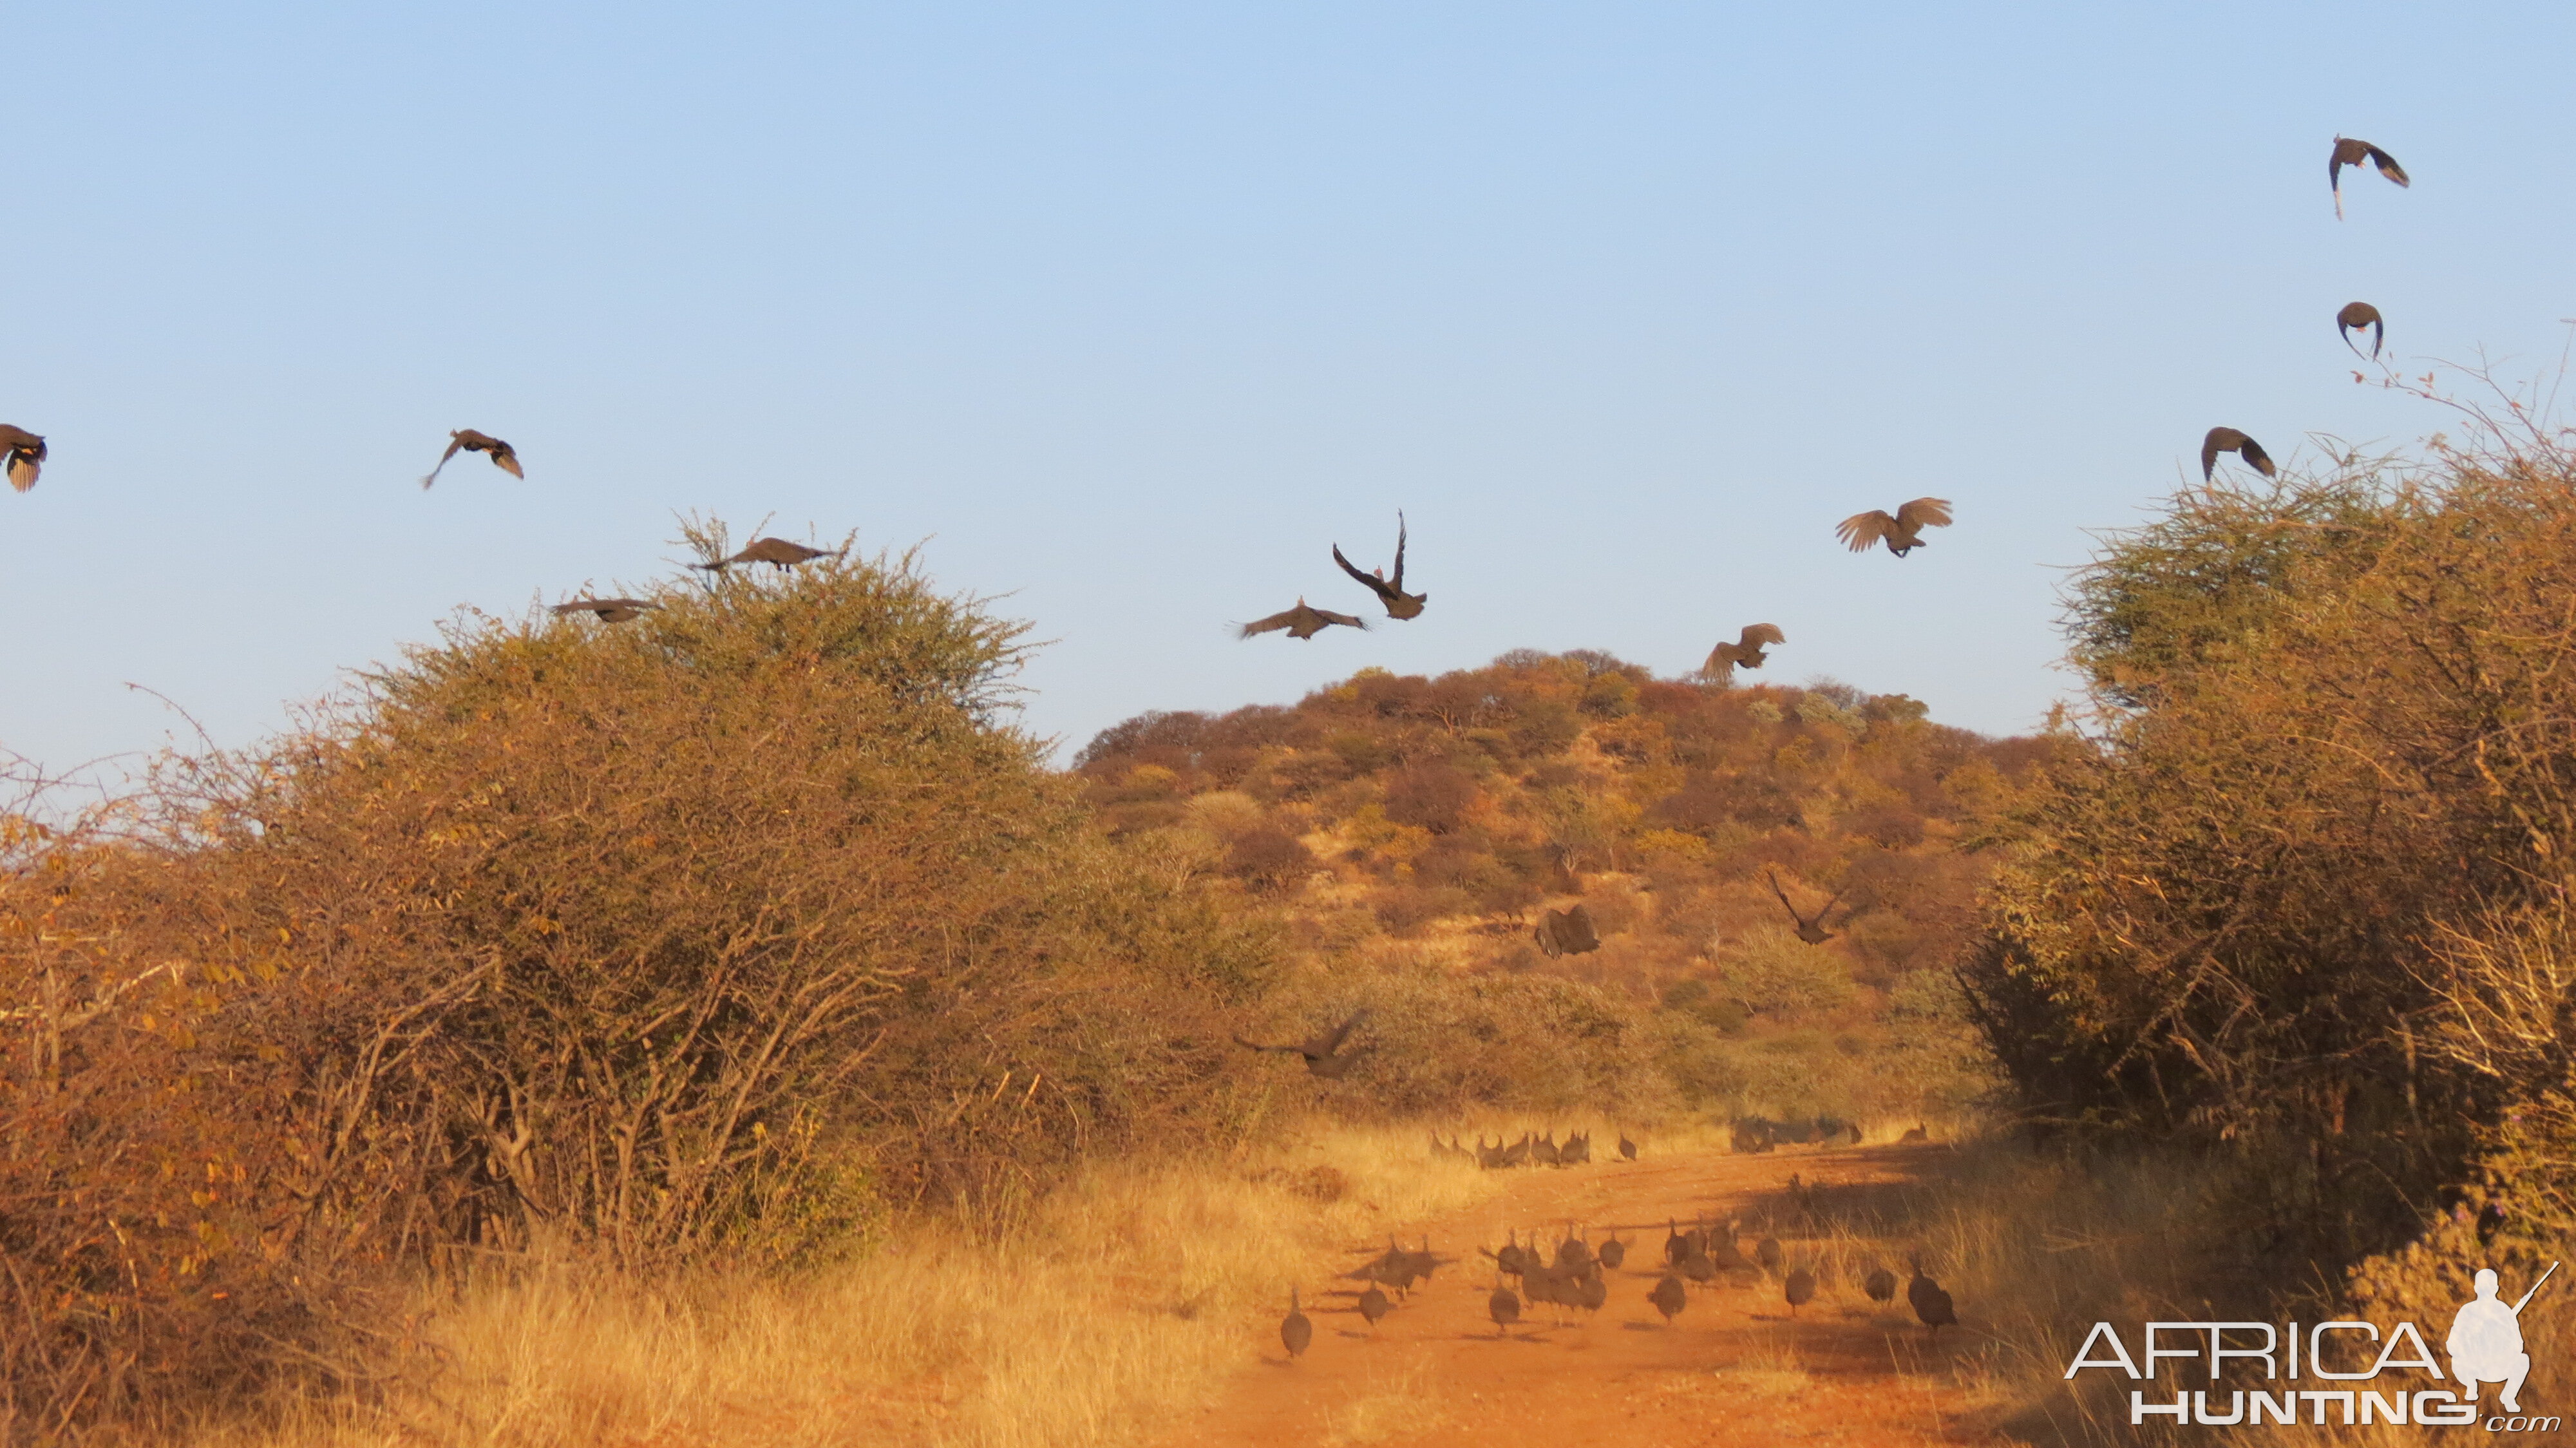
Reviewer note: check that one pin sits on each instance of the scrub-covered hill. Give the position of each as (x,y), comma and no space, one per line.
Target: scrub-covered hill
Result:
(1418,832)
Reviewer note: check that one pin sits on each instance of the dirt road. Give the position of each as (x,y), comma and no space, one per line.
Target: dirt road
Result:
(1733,1368)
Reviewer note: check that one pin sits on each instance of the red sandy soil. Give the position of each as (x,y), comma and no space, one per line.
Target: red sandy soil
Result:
(1733,1368)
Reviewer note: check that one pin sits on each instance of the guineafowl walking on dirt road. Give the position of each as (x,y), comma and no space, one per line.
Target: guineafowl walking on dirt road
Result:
(1669,1298)
(1294,1330)
(1800,1289)
(1373,1306)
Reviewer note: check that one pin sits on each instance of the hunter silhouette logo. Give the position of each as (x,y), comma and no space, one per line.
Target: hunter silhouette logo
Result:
(2486,1341)
(2485,1346)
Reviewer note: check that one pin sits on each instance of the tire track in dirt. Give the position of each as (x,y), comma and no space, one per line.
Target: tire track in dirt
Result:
(1734,1368)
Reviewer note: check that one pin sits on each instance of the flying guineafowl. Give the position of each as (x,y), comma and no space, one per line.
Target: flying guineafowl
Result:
(26,454)
(1322,1051)
(1399,604)
(466,439)
(778,553)
(2349,152)
(1302,622)
(1903,533)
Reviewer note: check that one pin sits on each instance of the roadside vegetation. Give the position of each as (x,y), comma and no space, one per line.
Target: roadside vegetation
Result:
(493,1056)
(2295,919)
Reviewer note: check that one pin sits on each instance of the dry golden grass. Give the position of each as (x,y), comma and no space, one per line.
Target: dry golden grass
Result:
(2033,1253)
(1126,1296)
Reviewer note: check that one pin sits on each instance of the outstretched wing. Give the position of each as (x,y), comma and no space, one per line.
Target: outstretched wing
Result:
(22,471)
(2256,458)
(1272,624)
(2219,440)
(1924,513)
(1721,661)
(1257,1046)
(506,458)
(455,443)
(1332,1041)
(1371,581)
(1784,897)
(1860,530)
(2387,165)
(1398,581)
(1346,620)
(1758,634)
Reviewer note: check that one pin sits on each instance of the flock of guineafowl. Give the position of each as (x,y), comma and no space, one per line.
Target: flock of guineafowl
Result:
(1902,530)
(1574,1275)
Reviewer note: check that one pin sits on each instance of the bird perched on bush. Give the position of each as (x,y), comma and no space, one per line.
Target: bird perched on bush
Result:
(610,610)
(466,439)
(1745,652)
(26,454)
(2228,439)
(2349,152)
(1399,604)
(1302,622)
(778,553)
(2354,317)
(1322,1051)
(1903,532)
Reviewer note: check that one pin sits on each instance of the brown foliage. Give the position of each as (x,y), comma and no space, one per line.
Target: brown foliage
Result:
(1450,814)
(718,932)
(2333,780)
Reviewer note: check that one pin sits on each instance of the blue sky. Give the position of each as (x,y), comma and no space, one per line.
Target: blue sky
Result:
(1132,311)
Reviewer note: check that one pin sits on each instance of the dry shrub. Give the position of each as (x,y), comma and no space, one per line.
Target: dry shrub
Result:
(1268,859)
(1434,795)
(718,932)
(1448,1046)
(2300,901)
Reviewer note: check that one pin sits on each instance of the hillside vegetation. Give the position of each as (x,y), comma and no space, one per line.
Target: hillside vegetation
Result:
(1415,831)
